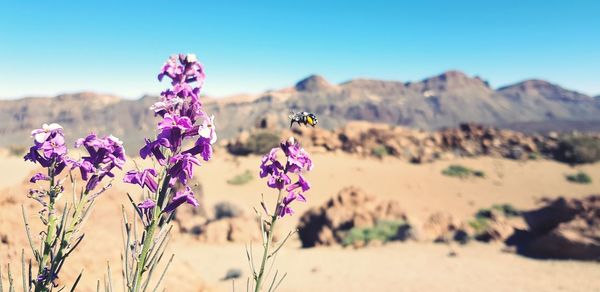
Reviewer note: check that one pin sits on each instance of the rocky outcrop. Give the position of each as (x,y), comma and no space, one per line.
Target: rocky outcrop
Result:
(241,229)
(351,207)
(441,227)
(228,224)
(468,140)
(567,229)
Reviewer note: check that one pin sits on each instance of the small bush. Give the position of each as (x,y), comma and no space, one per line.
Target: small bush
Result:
(507,209)
(241,179)
(227,210)
(578,149)
(262,142)
(380,151)
(258,143)
(462,172)
(483,217)
(479,225)
(483,214)
(383,231)
(580,178)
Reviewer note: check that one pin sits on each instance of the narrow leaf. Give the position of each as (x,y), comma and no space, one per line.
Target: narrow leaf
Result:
(163,273)
(23,274)
(28,231)
(76,281)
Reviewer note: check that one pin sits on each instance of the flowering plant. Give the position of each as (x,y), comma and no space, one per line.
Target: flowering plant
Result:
(279,176)
(181,118)
(63,233)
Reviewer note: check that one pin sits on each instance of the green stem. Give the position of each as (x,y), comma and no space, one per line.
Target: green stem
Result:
(49,232)
(145,248)
(260,278)
(151,229)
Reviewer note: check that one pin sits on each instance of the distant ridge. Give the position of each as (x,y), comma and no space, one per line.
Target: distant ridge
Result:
(444,100)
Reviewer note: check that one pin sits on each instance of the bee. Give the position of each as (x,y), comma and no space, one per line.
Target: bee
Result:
(306,118)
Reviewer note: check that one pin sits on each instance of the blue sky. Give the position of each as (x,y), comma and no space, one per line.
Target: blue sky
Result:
(50,47)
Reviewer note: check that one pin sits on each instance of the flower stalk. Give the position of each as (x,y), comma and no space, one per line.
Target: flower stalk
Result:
(279,177)
(267,244)
(182,118)
(58,241)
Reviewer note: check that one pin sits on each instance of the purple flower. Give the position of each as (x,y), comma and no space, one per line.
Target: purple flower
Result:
(270,164)
(146,207)
(142,178)
(85,168)
(49,149)
(147,204)
(173,121)
(46,276)
(152,148)
(183,166)
(104,154)
(38,176)
(188,70)
(107,150)
(284,208)
(54,146)
(41,135)
(186,196)
(202,147)
(278,180)
(93,182)
(301,183)
(170,69)
(208,130)
(167,105)
(172,128)
(297,158)
(117,152)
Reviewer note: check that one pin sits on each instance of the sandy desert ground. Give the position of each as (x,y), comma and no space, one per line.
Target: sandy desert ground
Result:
(421,190)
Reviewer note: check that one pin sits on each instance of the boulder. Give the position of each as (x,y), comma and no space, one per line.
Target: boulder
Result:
(229,230)
(441,227)
(545,219)
(566,229)
(351,207)
(576,239)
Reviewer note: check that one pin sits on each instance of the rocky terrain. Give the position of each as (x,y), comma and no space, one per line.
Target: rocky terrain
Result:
(562,229)
(418,146)
(445,100)
(456,229)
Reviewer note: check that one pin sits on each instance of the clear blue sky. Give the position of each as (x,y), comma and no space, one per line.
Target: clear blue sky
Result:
(49,47)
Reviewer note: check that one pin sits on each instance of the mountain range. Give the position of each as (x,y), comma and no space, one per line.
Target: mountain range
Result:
(444,100)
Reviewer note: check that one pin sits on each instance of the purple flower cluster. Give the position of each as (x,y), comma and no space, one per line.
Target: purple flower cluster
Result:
(49,150)
(297,161)
(182,118)
(142,178)
(104,154)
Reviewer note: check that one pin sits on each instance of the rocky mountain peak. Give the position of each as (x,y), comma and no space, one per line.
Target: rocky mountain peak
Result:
(541,88)
(452,81)
(313,83)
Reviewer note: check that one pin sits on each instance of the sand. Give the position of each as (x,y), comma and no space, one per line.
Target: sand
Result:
(421,190)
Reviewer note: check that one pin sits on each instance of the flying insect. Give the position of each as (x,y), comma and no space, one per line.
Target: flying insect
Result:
(306,118)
